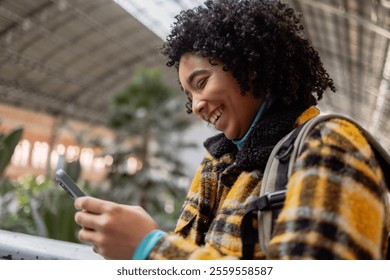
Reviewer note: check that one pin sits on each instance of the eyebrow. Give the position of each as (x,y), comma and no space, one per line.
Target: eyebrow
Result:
(194,74)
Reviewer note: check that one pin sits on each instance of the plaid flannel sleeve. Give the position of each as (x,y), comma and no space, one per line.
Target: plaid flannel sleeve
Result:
(336,205)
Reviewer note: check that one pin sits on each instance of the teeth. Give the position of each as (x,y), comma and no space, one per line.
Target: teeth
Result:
(214,117)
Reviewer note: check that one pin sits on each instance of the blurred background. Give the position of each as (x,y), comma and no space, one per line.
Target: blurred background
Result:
(83,87)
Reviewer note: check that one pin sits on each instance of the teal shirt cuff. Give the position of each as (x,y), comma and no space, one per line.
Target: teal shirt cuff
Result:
(147,244)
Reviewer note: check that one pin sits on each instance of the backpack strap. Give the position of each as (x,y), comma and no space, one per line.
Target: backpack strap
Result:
(278,169)
(270,201)
(270,198)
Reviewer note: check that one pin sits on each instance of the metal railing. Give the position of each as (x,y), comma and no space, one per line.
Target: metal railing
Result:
(19,246)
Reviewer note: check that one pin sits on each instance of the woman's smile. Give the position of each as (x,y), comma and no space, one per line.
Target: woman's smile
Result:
(215,115)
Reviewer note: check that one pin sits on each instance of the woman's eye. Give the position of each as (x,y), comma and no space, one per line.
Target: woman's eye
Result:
(202,83)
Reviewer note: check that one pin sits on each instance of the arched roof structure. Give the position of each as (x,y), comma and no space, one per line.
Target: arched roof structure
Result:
(67,57)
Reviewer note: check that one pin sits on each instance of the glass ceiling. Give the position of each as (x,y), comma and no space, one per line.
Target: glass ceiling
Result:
(157,15)
(57,57)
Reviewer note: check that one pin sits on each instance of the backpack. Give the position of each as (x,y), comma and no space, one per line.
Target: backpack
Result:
(276,174)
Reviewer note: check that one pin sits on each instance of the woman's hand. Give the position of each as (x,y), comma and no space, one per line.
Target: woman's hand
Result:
(114,230)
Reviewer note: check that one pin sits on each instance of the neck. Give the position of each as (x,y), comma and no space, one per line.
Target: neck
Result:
(263,108)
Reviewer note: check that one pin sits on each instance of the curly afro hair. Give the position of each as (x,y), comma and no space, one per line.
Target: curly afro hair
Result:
(262,42)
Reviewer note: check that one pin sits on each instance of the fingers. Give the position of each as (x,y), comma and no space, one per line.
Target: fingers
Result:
(95,214)
(91,237)
(86,220)
(91,204)
(90,208)
(114,230)
(88,236)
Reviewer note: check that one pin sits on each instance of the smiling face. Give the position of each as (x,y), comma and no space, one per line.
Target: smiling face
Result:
(216,97)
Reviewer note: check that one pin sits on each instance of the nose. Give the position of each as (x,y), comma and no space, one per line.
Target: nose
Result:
(198,107)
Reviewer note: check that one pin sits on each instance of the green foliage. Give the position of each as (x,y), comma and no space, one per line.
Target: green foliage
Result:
(38,206)
(8,143)
(147,101)
(35,205)
(57,211)
(148,111)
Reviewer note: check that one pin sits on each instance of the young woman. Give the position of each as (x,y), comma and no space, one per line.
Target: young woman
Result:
(248,70)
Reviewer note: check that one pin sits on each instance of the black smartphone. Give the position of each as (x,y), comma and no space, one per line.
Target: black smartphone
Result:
(68,184)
